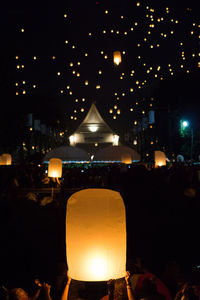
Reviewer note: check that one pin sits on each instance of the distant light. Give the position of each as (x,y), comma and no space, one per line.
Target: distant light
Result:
(135,142)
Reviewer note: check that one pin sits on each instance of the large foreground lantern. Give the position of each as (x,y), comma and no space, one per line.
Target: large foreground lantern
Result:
(117,58)
(96,235)
(55,168)
(160,159)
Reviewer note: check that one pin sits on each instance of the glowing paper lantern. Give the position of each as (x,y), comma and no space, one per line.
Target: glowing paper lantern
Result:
(55,168)
(126,158)
(117,58)
(160,159)
(6,159)
(96,235)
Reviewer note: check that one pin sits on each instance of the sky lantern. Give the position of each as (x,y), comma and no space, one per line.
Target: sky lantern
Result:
(160,159)
(55,168)
(117,58)
(6,159)
(96,235)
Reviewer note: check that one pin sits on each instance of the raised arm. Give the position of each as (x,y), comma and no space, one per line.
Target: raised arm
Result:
(66,290)
(128,286)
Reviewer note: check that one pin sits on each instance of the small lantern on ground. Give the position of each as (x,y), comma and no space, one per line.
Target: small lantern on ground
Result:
(7,159)
(126,158)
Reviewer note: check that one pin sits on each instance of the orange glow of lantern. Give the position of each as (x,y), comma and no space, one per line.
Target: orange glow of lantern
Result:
(6,159)
(117,58)
(160,159)
(126,158)
(55,168)
(96,235)
(1,161)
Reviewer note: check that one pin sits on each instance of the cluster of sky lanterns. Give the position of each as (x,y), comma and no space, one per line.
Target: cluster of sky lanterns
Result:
(161,30)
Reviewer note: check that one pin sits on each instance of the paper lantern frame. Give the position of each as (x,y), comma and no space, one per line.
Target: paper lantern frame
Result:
(96,235)
(55,168)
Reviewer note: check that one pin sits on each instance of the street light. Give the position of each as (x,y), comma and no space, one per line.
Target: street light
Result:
(186,124)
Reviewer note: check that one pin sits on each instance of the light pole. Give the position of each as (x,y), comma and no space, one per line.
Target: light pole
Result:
(185,124)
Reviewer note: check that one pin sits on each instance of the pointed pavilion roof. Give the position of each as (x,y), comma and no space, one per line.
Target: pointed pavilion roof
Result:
(93,118)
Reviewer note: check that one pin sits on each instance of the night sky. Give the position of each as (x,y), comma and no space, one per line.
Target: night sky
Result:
(57,59)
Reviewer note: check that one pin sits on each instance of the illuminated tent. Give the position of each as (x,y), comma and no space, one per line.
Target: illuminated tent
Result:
(68,154)
(93,131)
(116,154)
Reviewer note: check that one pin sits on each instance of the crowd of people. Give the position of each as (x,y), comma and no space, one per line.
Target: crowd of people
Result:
(162,207)
(140,285)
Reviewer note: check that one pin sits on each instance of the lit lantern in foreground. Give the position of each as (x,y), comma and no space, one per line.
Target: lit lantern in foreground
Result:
(160,159)
(117,58)
(96,235)
(6,159)
(55,168)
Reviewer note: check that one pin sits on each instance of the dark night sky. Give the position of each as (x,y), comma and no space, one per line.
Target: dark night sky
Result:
(46,31)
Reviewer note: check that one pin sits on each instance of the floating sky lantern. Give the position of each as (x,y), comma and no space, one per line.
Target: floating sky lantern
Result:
(55,168)
(160,159)
(117,58)
(96,235)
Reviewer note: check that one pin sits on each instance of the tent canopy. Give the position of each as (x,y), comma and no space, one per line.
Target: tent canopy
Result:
(116,153)
(67,153)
